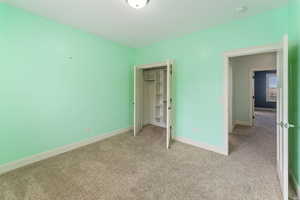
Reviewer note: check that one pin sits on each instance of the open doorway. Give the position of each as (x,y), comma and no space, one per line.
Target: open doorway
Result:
(254,104)
(282,122)
(253,112)
(153,101)
(247,92)
(265,97)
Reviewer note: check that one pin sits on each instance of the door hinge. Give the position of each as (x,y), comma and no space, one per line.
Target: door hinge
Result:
(170,100)
(253,117)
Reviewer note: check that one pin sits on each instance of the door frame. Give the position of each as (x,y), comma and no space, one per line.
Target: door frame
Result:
(169,124)
(227,98)
(153,65)
(136,112)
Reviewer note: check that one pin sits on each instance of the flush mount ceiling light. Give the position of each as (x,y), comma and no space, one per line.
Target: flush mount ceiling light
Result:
(137,4)
(241,9)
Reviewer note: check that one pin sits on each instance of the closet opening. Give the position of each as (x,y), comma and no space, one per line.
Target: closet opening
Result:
(152,99)
(155,97)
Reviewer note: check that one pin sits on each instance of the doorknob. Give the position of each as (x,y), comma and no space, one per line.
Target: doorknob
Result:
(288,125)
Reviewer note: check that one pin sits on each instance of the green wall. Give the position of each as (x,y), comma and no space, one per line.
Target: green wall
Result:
(294,90)
(61,85)
(199,70)
(58,85)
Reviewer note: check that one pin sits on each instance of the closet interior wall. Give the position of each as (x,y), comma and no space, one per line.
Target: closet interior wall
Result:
(155,96)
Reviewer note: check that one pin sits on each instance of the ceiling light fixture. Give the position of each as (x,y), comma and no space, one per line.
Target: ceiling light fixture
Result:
(137,4)
(241,9)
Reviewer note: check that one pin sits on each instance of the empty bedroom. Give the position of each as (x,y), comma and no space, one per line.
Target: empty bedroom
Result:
(149,99)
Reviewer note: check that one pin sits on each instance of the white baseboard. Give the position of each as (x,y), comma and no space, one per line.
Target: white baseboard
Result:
(201,145)
(44,155)
(158,124)
(295,184)
(243,123)
(155,124)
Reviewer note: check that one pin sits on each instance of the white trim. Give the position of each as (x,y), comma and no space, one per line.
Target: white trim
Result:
(227,98)
(169,103)
(243,123)
(230,98)
(285,112)
(158,124)
(253,50)
(44,155)
(153,65)
(202,145)
(134,101)
(278,113)
(295,184)
(251,97)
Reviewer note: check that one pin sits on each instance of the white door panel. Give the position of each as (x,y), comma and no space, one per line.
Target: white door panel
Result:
(282,119)
(169,103)
(138,85)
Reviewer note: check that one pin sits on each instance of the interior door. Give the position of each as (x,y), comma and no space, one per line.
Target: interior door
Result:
(252,111)
(169,103)
(137,101)
(282,119)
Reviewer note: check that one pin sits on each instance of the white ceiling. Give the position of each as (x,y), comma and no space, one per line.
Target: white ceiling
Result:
(160,19)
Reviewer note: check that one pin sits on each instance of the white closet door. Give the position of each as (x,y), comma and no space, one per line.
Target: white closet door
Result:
(282,120)
(138,85)
(169,103)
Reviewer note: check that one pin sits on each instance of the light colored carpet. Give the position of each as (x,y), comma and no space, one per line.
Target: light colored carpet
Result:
(140,168)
